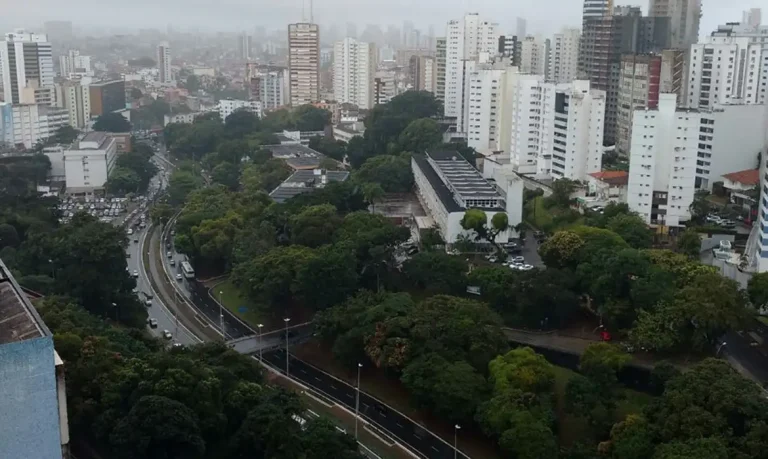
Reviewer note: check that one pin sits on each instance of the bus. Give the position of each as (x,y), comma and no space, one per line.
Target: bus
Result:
(186,268)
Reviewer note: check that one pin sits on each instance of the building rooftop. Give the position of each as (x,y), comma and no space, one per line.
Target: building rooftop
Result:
(747,177)
(461,178)
(94,138)
(297,156)
(303,181)
(614,178)
(19,320)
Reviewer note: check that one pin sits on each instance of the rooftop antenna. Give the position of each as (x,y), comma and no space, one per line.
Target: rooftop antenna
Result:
(303,17)
(311,13)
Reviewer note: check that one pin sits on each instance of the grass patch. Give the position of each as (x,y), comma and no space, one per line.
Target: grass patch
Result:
(547,219)
(235,302)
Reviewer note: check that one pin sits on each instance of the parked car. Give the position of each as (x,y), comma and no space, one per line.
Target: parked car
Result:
(135,273)
(167,334)
(152,322)
(518,260)
(173,262)
(711,218)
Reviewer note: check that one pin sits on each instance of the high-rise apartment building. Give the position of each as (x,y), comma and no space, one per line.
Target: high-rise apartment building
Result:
(509,47)
(107,97)
(487,115)
(422,72)
(440,61)
(244,46)
(27,63)
(384,88)
(684,16)
(74,65)
(164,63)
(521,27)
(303,63)
(730,66)
(676,151)
(28,124)
(642,78)
(752,18)
(564,56)
(534,55)
(467,39)
(77,101)
(354,66)
(597,8)
(267,84)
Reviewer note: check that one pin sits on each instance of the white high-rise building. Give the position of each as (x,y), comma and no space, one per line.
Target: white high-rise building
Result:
(466,40)
(354,67)
(303,63)
(597,8)
(28,124)
(77,101)
(267,84)
(74,65)
(564,56)
(485,107)
(662,163)
(534,52)
(752,18)
(228,106)
(440,60)
(164,63)
(674,152)
(27,65)
(684,16)
(727,69)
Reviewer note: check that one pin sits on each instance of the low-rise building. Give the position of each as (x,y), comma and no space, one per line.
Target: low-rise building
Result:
(185,118)
(33,402)
(608,186)
(229,106)
(447,186)
(86,164)
(740,187)
(346,131)
(306,181)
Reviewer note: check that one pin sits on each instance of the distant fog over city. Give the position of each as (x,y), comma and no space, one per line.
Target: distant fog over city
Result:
(543,16)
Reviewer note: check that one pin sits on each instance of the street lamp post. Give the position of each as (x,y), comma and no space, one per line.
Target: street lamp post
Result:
(221,317)
(53,268)
(719,348)
(117,311)
(286,320)
(259,327)
(455,440)
(357,399)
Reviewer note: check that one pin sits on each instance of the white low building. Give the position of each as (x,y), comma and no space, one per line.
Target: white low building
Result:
(447,186)
(183,118)
(86,165)
(229,106)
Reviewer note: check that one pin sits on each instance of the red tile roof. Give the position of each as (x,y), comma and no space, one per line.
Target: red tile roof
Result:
(614,178)
(747,177)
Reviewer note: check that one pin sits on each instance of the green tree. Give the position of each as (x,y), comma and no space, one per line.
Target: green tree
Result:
(561,192)
(757,288)
(9,237)
(451,390)
(314,226)
(420,135)
(65,135)
(562,250)
(158,428)
(700,206)
(310,118)
(180,184)
(393,173)
(240,124)
(335,149)
(227,174)
(436,272)
(112,122)
(122,181)
(476,220)
(327,278)
(689,243)
(192,84)
(322,440)
(529,438)
(601,363)
(373,193)
(700,448)
(160,213)
(632,439)
(632,229)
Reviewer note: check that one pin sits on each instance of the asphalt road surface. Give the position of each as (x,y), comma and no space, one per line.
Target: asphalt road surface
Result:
(372,410)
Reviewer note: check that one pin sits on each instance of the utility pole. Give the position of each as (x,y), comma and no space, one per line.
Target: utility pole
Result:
(357,399)
(260,349)
(455,440)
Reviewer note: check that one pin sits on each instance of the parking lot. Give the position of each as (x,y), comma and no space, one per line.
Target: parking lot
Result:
(105,209)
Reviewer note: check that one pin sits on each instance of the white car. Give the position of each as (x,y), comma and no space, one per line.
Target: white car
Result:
(135,273)
(518,260)
(526,267)
(178,277)
(167,334)
(152,322)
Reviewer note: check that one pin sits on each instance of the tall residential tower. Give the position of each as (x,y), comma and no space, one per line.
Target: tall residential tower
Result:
(303,63)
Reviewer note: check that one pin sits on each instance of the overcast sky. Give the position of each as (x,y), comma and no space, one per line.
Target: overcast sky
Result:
(543,16)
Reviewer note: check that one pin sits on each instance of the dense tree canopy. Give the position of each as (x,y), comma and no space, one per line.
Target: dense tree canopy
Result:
(112,122)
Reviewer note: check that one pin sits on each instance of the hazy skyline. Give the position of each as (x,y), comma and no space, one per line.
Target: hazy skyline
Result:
(543,16)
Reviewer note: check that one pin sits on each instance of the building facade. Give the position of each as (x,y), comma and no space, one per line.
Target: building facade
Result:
(268,85)
(467,39)
(77,101)
(534,55)
(422,72)
(87,164)
(354,67)
(684,15)
(27,64)
(303,63)
(642,78)
(564,56)
(107,97)
(662,163)
(440,62)
(28,124)
(164,75)
(73,65)
(229,106)
(728,69)
(384,87)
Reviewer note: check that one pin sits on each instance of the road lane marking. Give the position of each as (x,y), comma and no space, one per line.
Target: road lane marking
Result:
(399,425)
(317,378)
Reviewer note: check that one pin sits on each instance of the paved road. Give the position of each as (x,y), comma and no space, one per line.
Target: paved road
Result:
(398,425)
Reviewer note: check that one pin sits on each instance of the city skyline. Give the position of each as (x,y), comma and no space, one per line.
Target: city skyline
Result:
(542,16)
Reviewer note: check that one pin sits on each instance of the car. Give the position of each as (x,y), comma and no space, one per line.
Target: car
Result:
(135,291)
(127,254)
(518,260)
(179,277)
(173,262)
(169,254)
(493,259)
(711,218)
(167,334)
(167,245)
(727,223)
(148,302)
(177,345)
(136,240)
(135,273)
(152,322)
(526,267)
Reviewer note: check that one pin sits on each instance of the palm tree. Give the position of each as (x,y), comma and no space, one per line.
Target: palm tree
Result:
(373,192)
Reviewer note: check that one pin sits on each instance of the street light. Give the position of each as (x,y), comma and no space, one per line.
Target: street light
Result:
(259,327)
(117,311)
(221,317)
(357,399)
(719,348)
(455,439)
(286,320)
